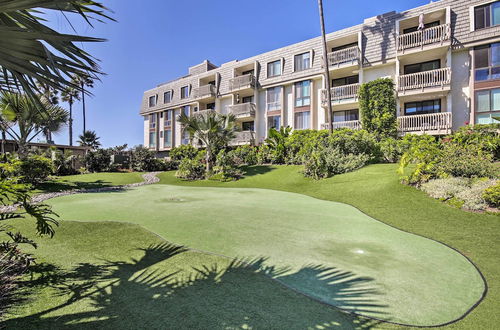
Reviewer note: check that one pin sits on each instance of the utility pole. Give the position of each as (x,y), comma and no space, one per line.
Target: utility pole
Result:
(325,65)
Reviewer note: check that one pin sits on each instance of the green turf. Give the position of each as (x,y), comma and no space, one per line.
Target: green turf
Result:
(330,251)
(88,181)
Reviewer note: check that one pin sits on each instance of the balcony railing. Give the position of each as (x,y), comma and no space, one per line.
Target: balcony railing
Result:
(342,56)
(432,123)
(341,93)
(433,35)
(243,109)
(245,81)
(244,137)
(421,80)
(352,124)
(204,91)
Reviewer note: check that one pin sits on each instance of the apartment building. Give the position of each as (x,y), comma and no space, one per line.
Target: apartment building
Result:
(444,58)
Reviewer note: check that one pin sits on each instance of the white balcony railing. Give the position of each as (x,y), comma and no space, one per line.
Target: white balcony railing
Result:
(243,137)
(245,81)
(204,91)
(352,124)
(273,106)
(421,80)
(341,93)
(342,56)
(243,109)
(433,35)
(432,123)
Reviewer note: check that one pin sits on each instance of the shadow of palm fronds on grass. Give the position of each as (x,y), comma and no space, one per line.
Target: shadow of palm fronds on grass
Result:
(143,293)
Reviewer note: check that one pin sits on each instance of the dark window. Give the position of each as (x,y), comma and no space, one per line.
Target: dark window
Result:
(247,72)
(184,92)
(247,126)
(274,68)
(345,81)
(487,15)
(302,61)
(167,97)
(426,26)
(423,107)
(247,99)
(212,82)
(421,67)
(211,106)
(152,101)
(487,62)
(347,115)
(354,44)
(274,122)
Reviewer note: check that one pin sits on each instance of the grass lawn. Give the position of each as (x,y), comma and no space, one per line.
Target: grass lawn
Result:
(94,282)
(87,181)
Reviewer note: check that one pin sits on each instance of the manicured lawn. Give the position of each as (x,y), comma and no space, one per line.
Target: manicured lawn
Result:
(91,255)
(86,181)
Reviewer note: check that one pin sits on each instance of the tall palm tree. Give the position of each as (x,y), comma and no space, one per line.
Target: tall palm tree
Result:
(24,56)
(326,67)
(50,95)
(70,95)
(89,139)
(23,118)
(84,80)
(212,129)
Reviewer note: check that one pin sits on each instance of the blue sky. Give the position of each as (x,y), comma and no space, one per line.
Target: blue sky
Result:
(157,40)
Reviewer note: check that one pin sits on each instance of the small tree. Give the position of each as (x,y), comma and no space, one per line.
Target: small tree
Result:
(89,139)
(377,103)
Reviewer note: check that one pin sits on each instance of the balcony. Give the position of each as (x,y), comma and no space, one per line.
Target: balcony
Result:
(432,124)
(434,36)
(243,110)
(244,137)
(203,112)
(343,56)
(204,91)
(241,82)
(426,80)
(340,93)
(352,124)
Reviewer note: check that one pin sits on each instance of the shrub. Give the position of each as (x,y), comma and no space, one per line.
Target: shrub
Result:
(277,144)
(183,151)
(485,137)
(355,142)
(377,104)
(424,155)
(35,169)
(191,168)
(98,160)
(245,155)
(390,150)
(492,195)
(302,142)
(225,168)
(144,159)
(466,161)
(323,163)
(64,163)
(264,155)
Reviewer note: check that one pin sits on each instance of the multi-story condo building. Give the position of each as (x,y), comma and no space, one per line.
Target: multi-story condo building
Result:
(444,58)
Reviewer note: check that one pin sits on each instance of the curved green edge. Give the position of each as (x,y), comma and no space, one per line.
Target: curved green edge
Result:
(329,251)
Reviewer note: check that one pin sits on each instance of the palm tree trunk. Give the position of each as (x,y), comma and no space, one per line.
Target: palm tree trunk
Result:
(327,69)
(71,121)
(4,138)
(208,159)
(83,103)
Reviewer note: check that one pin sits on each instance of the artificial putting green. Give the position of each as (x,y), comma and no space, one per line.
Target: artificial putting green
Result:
(329,251)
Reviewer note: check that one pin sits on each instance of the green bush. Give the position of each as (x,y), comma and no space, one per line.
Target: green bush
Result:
(64,163)
(191,168)
(264,155)
(144,160)
(421,159)
(245,155)
(98,160)
(277,144)
(492,195)
(35,169)
(225,168)
(484,137)
(377,104)
(467,161)
(302,142)
(183,151)
(325,162)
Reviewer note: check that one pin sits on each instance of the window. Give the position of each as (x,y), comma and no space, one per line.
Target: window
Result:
(345,81)
(421,67)
(487,106)
(420,108)
(273,99)
(302,61)
(210,106)
(247,99)
(302,120)
(302,93)
(167,97)
(152,139)
(184,92)
(244,73)
(347,115)
(186,110)
(487,62)
(167,138)
(185,137)
(168,118)
(274,122)
(247,126)
(274,69)
(152,101)
(415,28)
(152,121)
(487,15)
(335,49)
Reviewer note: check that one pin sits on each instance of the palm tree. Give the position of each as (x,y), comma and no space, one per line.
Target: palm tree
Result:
(24,37)
(89,139)
(23,118)
(84,80)
(213,130)
(50,95)
(70,95)
(326,67)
